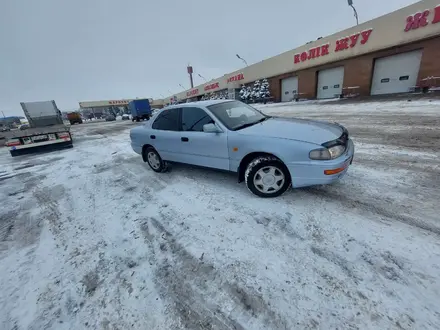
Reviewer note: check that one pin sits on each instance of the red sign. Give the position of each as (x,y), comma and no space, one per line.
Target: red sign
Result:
(312,53)
(351,41)
(418,20)
(118,102)
(237,77)
(192,92)
(341,44)
(211,86)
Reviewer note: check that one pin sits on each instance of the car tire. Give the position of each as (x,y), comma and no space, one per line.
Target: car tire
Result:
(267,177)
(154,160)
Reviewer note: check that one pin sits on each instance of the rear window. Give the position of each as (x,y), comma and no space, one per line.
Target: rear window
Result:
(167,120)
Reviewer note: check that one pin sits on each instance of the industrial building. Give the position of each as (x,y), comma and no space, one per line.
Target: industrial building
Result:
(99,109)
(395,53)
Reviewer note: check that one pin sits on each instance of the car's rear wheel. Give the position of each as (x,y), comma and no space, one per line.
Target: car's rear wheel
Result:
(154,160)
(267,176)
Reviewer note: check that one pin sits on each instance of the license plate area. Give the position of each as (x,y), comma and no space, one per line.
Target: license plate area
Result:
(40,138)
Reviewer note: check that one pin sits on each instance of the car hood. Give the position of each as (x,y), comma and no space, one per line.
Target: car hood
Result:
(295,129)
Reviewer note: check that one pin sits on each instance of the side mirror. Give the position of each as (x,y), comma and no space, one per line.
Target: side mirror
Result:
(210,128)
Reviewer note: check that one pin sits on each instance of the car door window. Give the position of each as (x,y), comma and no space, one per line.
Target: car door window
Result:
(194,118)
(167,120)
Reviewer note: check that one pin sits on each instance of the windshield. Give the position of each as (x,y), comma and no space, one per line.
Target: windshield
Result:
(236,115)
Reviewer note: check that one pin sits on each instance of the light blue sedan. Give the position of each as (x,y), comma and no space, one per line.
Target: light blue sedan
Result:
(269,153)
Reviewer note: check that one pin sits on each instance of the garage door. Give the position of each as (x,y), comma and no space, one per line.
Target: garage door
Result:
(330,83)
(289,88)
(396,74)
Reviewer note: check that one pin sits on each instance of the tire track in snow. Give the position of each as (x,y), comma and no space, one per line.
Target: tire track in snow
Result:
(386,211)
(197,292)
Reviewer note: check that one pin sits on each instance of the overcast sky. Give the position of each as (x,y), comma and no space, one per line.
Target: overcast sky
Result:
(82,50)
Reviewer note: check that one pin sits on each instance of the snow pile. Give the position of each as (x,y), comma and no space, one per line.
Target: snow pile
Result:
(422,107)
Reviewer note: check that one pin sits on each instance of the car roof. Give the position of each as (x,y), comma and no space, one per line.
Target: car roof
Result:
(198,104)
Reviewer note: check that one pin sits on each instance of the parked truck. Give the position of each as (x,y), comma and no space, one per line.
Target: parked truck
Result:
(46,130)
(140,109)
(74,118)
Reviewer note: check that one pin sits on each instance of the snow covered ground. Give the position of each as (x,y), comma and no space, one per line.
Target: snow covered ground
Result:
(91,238)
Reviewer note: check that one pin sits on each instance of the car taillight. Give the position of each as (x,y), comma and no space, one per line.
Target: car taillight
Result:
(13,142)
(63,135)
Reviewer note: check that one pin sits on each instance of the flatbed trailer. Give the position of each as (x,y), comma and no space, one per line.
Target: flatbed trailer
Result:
(47,130)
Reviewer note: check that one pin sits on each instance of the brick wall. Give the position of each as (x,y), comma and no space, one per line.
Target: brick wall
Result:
(359,70)
(430,65)
(307,80)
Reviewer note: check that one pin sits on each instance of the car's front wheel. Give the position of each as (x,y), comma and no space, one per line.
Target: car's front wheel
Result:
(154,160)
(267,176)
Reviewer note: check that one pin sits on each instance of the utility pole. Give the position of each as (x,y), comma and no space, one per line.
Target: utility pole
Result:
(3,114)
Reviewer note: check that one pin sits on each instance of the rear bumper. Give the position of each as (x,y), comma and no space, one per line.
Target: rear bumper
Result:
(35,148)
(137,149)
(42,144)
(313,173)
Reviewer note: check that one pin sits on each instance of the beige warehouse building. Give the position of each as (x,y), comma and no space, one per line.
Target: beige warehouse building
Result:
(395,53)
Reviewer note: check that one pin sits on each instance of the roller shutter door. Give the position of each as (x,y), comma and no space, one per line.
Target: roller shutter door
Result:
(330,83)
(289,88)
(396,74)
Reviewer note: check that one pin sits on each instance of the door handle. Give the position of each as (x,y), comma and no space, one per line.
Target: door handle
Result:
(184,139)
(152,137)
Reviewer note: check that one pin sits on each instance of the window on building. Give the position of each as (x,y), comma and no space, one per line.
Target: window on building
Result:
(403,78)
(325,87)
(286,92)
(167,120)
(336,86)
(194,118)
(385,80)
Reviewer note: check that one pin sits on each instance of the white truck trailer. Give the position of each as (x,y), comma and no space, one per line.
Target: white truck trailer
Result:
(46,130)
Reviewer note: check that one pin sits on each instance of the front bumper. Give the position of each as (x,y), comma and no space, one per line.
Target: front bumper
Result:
(313,172)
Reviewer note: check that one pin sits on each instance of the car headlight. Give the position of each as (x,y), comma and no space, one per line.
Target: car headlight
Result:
(320,154)
(327,153)
(336,151)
